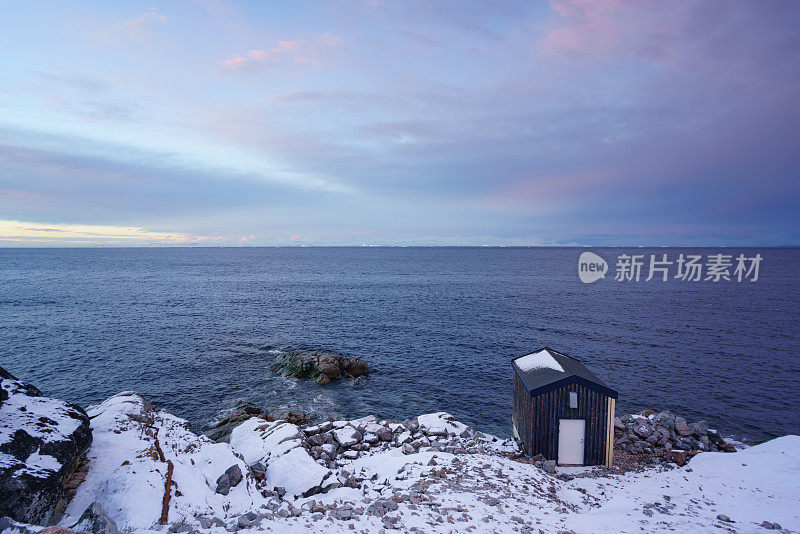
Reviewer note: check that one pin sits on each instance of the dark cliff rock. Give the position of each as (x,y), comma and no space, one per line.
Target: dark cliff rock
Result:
(41,440)
(321,366)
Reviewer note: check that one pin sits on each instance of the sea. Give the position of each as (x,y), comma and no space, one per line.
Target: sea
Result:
(195,330)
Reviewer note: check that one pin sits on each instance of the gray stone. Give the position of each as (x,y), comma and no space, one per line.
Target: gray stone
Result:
(208,522)
(316,440)
(390,522)
(234,473)
(384,434)
(180,527)
(343,513)
(549,466)
(699,428)
(96,520)
(643,430)
(223,484)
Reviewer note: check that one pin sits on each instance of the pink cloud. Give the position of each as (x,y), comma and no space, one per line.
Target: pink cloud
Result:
(139,27)
(294,238)
(261,54)
(286,51)
(236,62)
(586,25)
(592,28)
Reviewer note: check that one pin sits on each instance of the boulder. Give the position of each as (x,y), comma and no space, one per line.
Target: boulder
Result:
(347,436)
(384,434)
(95,520)
(230,478)
(297,473)
(643,430)
(699,428)
(221,431)
(321,366)
(618,424)
(41,442)
(682,428)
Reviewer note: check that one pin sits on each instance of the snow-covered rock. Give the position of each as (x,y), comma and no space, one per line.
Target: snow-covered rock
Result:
(297,473)
(440,423)
(347,436)
(40,441)
(279,446)
(257,440)
(127,476)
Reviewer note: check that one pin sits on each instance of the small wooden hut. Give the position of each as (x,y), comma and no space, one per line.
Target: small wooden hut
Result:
(561,410)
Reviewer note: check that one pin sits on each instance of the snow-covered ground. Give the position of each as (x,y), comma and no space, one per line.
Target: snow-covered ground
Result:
(435,475)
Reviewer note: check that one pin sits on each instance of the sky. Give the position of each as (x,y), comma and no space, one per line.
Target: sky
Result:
(573,122)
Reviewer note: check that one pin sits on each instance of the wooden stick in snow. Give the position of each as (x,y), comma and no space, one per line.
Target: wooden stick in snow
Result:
(167,493)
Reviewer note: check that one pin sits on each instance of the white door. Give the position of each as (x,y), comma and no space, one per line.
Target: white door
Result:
(570,441)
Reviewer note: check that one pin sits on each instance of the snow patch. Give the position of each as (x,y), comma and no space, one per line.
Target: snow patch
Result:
(297,472)
(537,361)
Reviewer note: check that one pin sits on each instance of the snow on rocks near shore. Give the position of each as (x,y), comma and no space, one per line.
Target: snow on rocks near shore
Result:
(127,474)
(279,447)
(430,473)
(41,439)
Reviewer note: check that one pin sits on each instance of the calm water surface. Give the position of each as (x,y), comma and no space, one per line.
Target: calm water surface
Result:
(195,330)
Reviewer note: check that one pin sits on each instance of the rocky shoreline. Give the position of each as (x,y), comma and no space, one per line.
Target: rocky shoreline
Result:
(663,437)
(145,470)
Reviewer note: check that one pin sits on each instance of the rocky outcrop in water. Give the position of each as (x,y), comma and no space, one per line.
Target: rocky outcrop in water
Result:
(657,435)
(41,441)
(321,366)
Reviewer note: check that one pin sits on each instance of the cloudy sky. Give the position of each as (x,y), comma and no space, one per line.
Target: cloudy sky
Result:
(610,122)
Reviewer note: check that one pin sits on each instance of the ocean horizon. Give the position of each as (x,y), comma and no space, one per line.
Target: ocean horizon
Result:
(196,329)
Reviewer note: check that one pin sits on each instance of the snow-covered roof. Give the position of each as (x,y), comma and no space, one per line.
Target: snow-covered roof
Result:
(538,360)
(546,369)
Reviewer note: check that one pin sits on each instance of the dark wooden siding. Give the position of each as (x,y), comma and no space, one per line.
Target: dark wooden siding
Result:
(536,419)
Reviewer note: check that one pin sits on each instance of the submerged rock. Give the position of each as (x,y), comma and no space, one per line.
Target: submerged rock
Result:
(41,441)
(321,366)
